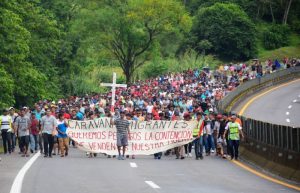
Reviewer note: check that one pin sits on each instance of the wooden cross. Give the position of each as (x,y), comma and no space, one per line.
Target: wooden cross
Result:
(113,86)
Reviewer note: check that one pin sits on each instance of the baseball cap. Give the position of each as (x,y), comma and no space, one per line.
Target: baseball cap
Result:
(186,114)
(11,108)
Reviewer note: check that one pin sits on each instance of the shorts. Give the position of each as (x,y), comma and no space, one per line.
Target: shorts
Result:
(122,140)
(24,141)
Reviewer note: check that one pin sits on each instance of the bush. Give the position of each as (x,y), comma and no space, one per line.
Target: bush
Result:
(296,26)
(276,36)
(155,68)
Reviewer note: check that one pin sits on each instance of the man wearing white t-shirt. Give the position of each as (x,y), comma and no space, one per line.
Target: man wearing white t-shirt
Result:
(6,129)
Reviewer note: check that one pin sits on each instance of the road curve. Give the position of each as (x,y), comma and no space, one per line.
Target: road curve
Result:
(280,106)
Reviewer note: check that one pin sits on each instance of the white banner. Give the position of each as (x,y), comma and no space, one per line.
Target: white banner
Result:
(146,138)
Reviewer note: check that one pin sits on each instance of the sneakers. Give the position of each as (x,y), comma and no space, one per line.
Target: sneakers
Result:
(121,157)
(190,155)
(212,151)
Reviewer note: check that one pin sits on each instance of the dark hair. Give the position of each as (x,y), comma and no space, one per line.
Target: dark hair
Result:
(60,115)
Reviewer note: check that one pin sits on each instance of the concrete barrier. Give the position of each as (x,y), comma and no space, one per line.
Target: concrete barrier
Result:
(253,86)
(279,155)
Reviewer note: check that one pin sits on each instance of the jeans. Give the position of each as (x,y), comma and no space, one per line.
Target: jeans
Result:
(209,143)
(48,144)
(234,148)
(198,143)
(13,141)
(34,144)
(188,148)
(40,140)
(6,137)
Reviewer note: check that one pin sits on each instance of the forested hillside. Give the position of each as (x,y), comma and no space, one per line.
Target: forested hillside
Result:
(53,48)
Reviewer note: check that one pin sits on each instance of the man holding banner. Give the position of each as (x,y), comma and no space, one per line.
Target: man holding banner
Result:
(122,126)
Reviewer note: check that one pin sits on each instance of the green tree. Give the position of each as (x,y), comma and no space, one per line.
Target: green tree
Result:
(276,36)
(228,29)
(6,89)
(126,30)
(24,51)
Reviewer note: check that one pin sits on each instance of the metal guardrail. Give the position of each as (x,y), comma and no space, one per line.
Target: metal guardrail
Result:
(280,137)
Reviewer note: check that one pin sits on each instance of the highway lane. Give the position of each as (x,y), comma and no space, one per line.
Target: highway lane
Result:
(79,174)
(280,106)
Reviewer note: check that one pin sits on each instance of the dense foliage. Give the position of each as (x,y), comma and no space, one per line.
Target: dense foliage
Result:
(227,28)
(53,48)
(276,36)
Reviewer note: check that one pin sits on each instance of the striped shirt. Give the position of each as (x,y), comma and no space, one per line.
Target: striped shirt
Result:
(122,126)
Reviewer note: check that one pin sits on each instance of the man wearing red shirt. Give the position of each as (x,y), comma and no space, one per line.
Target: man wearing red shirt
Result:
(34,133)
(66,115)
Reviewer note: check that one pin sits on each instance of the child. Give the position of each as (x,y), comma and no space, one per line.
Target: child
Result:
(220,143)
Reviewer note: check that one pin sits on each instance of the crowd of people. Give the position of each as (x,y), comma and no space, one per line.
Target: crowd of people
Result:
(189,95)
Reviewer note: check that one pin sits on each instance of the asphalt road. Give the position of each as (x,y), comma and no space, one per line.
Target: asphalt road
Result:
(80,174)
(281,106)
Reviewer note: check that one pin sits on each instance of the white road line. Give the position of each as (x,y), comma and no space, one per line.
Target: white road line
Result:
(290,106)
(152,184)
(17,185)
(294,101)
(287,113)
(133,165)
(288,120)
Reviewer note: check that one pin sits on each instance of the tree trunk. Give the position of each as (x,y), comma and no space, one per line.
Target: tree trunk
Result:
(271,10)
(258,10)
(286,12)
(128,71)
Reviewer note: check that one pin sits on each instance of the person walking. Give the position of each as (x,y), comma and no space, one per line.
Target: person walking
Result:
(6,129)
(48,126)
(62,136)
(14,117)
(208,138)
(122,126)
(235,131)
(23,128)
(34,133)
(198,134)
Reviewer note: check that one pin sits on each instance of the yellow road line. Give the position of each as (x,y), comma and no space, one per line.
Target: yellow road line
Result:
(241,112)
(243,109)
(266,177)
